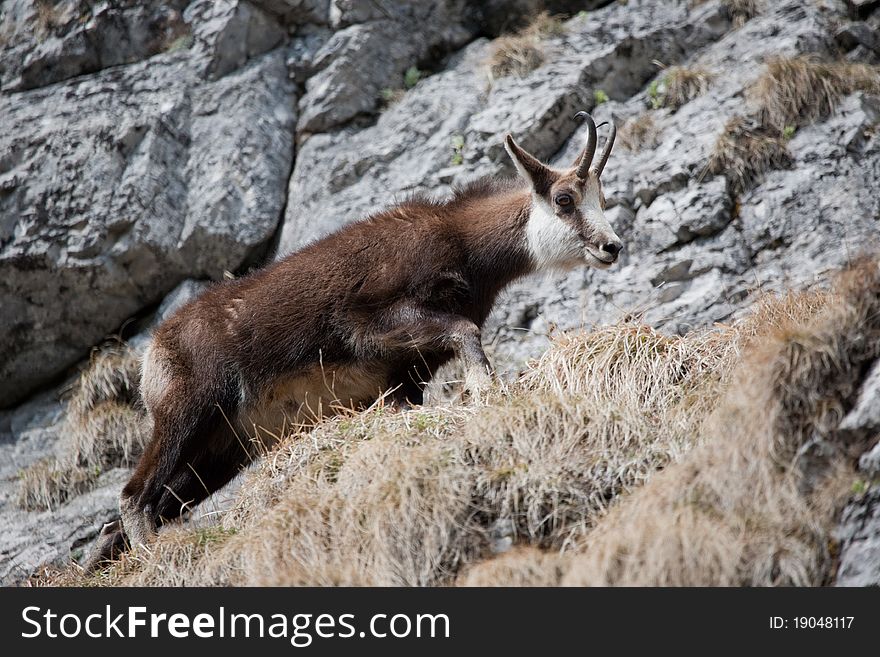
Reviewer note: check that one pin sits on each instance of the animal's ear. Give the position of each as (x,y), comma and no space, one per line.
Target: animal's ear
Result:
(540,177)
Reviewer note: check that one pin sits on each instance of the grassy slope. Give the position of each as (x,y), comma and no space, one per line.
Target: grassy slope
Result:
(623,456)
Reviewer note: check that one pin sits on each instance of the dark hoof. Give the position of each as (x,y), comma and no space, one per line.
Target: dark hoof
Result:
(110,545)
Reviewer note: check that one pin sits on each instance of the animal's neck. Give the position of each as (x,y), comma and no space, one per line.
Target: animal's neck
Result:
(494,230)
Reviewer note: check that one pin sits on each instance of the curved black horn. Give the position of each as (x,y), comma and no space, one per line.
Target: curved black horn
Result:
(606,151)
(590,149)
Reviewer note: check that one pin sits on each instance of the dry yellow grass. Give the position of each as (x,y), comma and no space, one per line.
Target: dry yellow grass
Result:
(49,14)
(638,132)
(522,52)
(745,153)
(742,11)
(419,497)
(791,92)
(682,84)
(105,427)
(622,456)
(521,566)
(795,91)
(754,504)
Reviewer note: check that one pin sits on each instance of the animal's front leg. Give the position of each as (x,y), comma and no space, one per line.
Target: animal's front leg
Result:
(429,331)
(478,371)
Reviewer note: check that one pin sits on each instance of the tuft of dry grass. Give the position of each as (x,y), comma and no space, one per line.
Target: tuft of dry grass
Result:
(514,55)
(521,566)
(742,11)
(522,52)
(45,484)
(795,91)
(105,427)
(681,84)
(745,153)
(792,92)
(545,25)
(755,503)
(50,14)
(638,132)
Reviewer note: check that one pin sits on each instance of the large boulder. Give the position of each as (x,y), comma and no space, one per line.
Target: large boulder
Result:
(44,42)
(115,187)
(859,530)
(372,48)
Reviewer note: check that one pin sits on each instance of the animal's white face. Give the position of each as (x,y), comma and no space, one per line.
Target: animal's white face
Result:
(566,225)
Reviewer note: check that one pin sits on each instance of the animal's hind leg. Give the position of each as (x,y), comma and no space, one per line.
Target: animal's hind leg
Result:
(197,479)
(199,470)
(177,428)
(136,520)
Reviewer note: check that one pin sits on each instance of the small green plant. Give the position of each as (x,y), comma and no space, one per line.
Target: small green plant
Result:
(457,150)
(600,97)
(582,14)
(788,132)
(859,487)
(654,94)
(389,96)
(412,76)
(212,535)
(183,42)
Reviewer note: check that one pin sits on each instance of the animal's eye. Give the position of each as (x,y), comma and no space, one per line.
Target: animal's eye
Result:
(563,200)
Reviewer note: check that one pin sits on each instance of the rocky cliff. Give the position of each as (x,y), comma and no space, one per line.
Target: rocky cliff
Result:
(147,147)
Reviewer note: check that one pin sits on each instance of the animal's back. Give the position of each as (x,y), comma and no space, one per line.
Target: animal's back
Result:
(294,337)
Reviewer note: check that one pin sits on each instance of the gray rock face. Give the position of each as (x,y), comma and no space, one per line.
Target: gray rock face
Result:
(373,48)
(342,176)
(26,435)
(693,252)
(28,540)
(860,550)
(229,32)
(108,201)
(859,530)
(45,42)
(865,415)
(297,12)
